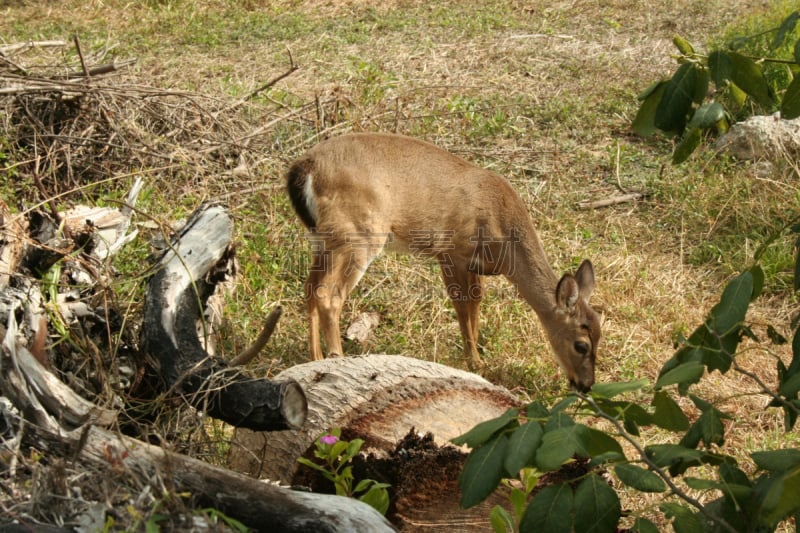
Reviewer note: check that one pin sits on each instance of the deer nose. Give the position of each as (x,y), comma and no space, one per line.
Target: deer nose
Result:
(581,387)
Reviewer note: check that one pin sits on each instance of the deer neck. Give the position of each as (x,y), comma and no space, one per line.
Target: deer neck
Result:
(532,275)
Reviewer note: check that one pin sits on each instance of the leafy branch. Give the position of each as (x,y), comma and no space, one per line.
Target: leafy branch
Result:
(545,439)
(683,106)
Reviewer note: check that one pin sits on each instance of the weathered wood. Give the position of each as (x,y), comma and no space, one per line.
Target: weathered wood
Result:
(258,505)
(184,278)
(379,398)
(42,398)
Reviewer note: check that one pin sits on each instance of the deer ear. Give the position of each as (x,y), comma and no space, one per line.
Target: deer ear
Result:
(567,293)
(585,278)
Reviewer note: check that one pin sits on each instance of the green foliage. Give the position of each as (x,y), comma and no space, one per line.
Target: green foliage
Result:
(337,455)
(684,107)
(536,438)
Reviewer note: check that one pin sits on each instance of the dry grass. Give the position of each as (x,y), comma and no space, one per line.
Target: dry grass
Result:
(543,94)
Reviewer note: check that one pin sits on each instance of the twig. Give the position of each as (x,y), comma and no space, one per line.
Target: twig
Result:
(292,67)
(251,351)
(104,69)
(614,200)
(37,180)
(11,48)
(655,468)
(77,42)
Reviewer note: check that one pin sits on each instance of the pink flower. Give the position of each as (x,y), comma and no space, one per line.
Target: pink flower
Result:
(328,439)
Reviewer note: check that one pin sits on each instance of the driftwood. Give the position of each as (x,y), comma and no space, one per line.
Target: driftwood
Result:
(63,426)
(185,277)
(53,418)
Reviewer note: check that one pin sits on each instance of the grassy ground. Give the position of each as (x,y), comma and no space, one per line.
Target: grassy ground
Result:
(541,92)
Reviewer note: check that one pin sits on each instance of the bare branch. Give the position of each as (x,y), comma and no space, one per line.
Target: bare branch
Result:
(253,350)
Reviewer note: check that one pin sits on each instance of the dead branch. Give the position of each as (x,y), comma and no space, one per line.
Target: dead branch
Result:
(614,200)
(63,425)
(251,351)
(185,277)
(292,68)
(16,47)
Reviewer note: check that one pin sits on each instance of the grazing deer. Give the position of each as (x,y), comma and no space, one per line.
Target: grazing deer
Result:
(361,193)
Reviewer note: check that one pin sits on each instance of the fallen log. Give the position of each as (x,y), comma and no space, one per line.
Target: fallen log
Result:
(406,410)
(198,260)
(52,418)
(43,399)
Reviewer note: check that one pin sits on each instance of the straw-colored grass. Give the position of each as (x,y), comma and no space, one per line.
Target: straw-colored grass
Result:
(542,93)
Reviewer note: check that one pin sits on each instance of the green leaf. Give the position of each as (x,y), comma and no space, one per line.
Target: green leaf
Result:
(677,458)
(708,428)
(777,460)
(482,471)
(707,116)
(668,414)
(731,474)
(639,478)
(758,281)
(609,390)
(629,412)
(790,106)
(797,52)
(599,443)
(701,86)
(689,143)
(597,507)
(485,430)
(559,445)
(559,420)
(791,386)
(377,497)
(720,65)
(550,510)
(796,283)
(522,447)
(688,373)
(685,520)
(747,75)
(778,495)
(738,96)
(683,45)
(501,520)
(677,99)
(736,492)
(536,410)
(732,307)
(563,404)
(786,28)
(643,525)
(650,90)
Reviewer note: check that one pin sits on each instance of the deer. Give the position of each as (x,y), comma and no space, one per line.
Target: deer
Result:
(361,193)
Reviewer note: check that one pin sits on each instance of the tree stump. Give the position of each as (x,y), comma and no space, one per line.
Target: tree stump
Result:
(389,401)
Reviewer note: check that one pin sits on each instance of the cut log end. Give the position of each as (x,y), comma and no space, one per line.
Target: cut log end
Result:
(294,405)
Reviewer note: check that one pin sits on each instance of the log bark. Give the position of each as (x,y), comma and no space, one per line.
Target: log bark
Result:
(258,505)
(184,278)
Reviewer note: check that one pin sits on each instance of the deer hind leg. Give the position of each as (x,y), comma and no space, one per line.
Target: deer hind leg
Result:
(465,289)
(337,272)
(311,290)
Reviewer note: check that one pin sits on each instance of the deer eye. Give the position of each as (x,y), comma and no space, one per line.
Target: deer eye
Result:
(581,347)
